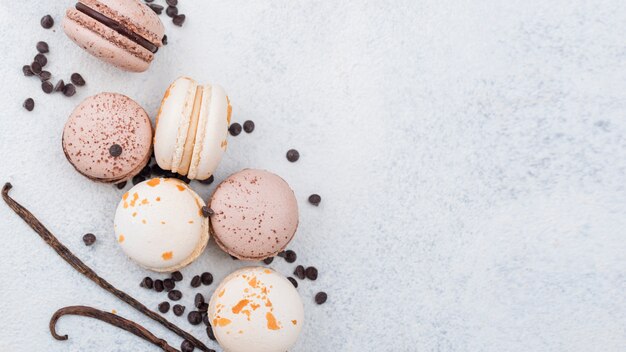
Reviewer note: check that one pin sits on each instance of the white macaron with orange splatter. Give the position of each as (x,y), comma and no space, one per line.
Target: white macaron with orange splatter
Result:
(159,224)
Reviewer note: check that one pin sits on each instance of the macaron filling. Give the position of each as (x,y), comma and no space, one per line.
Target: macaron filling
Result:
(114,25)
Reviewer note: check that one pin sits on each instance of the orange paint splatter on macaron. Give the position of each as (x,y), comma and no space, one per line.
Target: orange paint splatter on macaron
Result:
(237,308)
(120,239)
(221,293)
(272,324)
(167,255)
(154,182)
(181,188)
(221,322)
(294,322)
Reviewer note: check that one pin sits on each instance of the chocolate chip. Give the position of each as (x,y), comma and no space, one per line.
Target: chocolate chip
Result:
(69,90)
(206,211)
(179,20)
(59,86)
(47,22)
(156,8)
(205,319)
(208,181)
(77,79)
(169,284)
(42,47)
(209,332)
(27,71)
(199,299)
(45,76)
(164,40)
(177,276)
(186,346)
(149,0)
(115,150)
(268,261)
(206,278)
(178,310)
(172,2)
(158,285)
(164,307)
(233,257)
(47,87)
(293,281)
(293,155)
(299,272)
(35,67)
(234,129)
(171,11)
(203,307)
(121,185)
(195,282)
(194,317)
(321,297)
(89,239)
(175,295)
(29,104)
(183,178)
(290,256)
(311,273)
(41,59)
(281,254)
(138,179)
(146,172)
(147,283)
(248,126)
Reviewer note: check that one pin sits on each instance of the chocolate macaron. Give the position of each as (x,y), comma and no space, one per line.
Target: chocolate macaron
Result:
(255,214)
(107,138)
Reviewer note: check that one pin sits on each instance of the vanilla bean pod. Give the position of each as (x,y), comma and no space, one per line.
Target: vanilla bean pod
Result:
(110,318)
(81,267)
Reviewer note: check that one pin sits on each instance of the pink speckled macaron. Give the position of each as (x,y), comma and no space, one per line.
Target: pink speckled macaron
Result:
(107,138)
(255,214)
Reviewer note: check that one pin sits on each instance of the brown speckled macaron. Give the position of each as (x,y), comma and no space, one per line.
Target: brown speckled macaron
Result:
(107,138)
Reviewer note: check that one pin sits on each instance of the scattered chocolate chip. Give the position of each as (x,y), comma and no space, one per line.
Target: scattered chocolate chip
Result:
(206,211)
(121,185)
(290,256)
(208,181)
(311,273)
(178,310)
(199,299)
(321,297)
(203,307)
(35,67)
(164,307)
(47,22)
(156,8)
(206,278)
(209,332)
(234,129)
(41,59)
(149,0)
(69,90)
(315,199)
(89,239)
(115,150)
(233,257)
(172,2)
(293,155)
(169,284)
(183,178)
(175,295)
(27,71)
(158,285)
(164,40)
(205,319)
(248,126)
(47,87)
(59,87)
(186,346)
(42,47)
(138,179)
(45,76)
(299,272)
(281,254)
(268,261)
(146,171)
(171,11)
(194,317)
(179,20)
(293,281)
(147,283)
(29,104)
(177,276)
(195,282)
(77,79)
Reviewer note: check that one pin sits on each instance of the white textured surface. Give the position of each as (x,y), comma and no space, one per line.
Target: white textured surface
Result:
(471,157)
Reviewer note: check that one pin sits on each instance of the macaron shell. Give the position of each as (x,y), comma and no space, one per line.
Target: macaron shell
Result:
(256,214)
(159,224)
(211,137)
(256,309)
(105,43)
(99,122)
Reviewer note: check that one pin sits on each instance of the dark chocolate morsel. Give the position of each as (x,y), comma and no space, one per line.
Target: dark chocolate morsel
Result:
(194,317)
(171,11)
(158,285)
(115,150)
(59,86)
(47,87)
(290,256)
(268,261)
(89,239)
(177,276)
(77,79)
(293,155)
(147,282)
(45,76)
(206,211)
(175,295)
(311,273)
(178,310)
(69,90)
(171,2)
(293,281)
(186,346)
(198,299)
(195,282)
(299,272)
(42,47)
(169,284)
(248,126)
(209,332)
(121,185)
(315,199)
(29,104)
(47,22)
(35,67)
(208,181)
(164,307)
(27,71)
(179,20)
(234,129)
(321,297)
(206,278)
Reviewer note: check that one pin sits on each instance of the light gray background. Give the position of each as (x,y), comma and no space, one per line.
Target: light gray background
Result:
(471,157)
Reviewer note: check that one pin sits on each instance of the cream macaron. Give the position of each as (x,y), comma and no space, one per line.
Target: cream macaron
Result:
(191,128)
(256,309)
(159,224)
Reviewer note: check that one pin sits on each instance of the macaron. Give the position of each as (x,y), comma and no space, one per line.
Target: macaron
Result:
(191,128)
(107,138)
(255,214)
(124,33)
(159,224)
(256,309)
